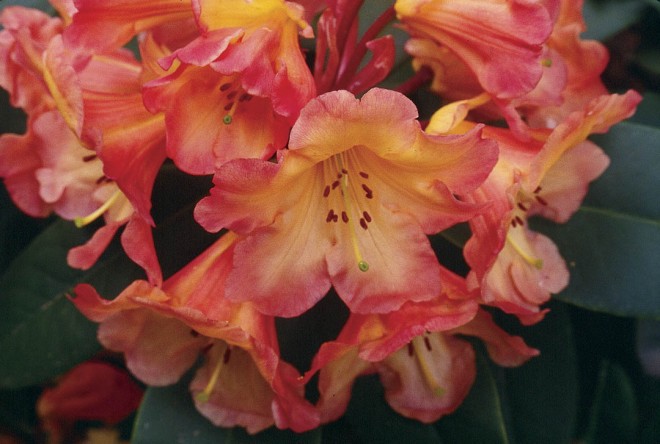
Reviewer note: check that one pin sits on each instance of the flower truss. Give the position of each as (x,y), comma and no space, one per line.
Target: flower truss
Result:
(324,176)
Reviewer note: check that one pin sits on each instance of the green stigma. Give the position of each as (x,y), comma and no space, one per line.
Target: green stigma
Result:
(546,62)
(363,266)
(227,119)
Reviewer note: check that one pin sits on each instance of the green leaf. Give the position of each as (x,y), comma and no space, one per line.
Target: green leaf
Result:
(535,403)
(648,109)
(168,415)
(43,5)
(542,394)
(605,19)
(483,417)
(372,420)
(42,333)
(614,412)
(611,243)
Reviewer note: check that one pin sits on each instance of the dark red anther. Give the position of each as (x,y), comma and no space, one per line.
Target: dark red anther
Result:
(537,190)
(344,216)
(411,349)
(343,170)
(367,190)
(363,223)
(521,206)
(89,158)
(335,184)
(514,224)
(245,97)
(335,218)
(363,174)
(326,191)
(225,86)
(541,200)
(427,343)
(100,180)
(369,195)
(520,221)
(367,216)
(231,95)
(225,357)
(331,216)
(229,106)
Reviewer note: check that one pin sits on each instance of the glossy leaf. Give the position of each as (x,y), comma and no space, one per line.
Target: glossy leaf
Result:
(611,244)
(542,394)
(167,415)
(483,417)
(605,19)
(42,334)
(534,403)
(614,412)
(372,419)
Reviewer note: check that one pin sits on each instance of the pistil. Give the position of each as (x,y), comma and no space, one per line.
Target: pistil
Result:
(224,354)
(86,220)
(421,346)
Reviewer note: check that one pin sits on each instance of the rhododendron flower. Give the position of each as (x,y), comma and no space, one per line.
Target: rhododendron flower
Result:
(425,369)
(104,25)
(162,331)
(348,204)
(73,159)
(259,42)
(93,390)
(516,268)
(500,41)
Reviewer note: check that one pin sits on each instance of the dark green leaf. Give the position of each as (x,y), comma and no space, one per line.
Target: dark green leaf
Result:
(605,19)
(483,417)
(611,244)
(168,415)
(542,394)
(43,5)
(535,403)
(648,110)
(614,412)
(373,421)
(42,333)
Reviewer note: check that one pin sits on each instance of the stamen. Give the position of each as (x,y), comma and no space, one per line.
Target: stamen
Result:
(367,216)
(326,191)
(521,206)
(363,174)
(82,221)
(89,158)
(363,223)
(331,215)
(344,216)
(520,221)
(541,200)
(205,394)
(533,261)
(225,86)
(546,62)
(423,358)
(367,190)
(537,190)
(362,264)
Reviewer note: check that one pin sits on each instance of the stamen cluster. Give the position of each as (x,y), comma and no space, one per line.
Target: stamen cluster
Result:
(324,176)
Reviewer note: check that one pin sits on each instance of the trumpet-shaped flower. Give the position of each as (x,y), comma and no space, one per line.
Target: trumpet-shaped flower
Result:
(348,204)
(425,368)
(258,43)
(59,165)
(162,331)
(516,268)
(500,41)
